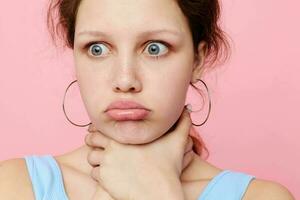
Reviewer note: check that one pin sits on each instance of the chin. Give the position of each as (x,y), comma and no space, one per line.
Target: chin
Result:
(133,132)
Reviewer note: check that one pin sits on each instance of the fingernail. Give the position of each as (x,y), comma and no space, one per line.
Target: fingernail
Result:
(189,107)
(90,128)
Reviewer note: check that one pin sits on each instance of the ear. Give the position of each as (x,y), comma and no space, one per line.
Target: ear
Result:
(199,62)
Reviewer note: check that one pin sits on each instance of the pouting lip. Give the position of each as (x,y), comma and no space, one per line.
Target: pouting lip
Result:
(125,104)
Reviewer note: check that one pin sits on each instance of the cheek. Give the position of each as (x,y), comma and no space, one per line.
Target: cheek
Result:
(90,76)
(168,97)
(172,100)
(170,87)
(90,88)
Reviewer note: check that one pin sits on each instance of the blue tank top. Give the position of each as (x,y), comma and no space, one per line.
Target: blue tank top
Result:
(47,181)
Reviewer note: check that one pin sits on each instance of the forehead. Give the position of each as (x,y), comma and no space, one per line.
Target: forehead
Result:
(129,15)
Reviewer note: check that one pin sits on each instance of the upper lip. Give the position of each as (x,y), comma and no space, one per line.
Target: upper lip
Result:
(125,104)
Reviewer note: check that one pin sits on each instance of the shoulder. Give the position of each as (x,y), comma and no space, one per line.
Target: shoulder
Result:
(260,189)
(15,182)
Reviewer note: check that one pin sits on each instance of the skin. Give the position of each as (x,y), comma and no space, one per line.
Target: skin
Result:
(143,166)
(128,71)
(126,68)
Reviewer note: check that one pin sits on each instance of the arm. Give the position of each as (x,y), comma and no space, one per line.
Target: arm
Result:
(14,181)
(261,189)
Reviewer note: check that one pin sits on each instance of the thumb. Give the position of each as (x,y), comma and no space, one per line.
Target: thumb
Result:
(92,128)
(181,132)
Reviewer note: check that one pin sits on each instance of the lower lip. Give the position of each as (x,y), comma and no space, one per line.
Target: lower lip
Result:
(127,114)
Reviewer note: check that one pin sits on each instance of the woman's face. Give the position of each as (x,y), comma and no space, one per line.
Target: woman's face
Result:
(120,64)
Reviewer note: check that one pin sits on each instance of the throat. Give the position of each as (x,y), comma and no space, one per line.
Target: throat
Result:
(77,159)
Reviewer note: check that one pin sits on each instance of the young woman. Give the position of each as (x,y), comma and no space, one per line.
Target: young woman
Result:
(134,62)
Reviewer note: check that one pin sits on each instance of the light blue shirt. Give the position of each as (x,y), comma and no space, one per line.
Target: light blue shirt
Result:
(47,181)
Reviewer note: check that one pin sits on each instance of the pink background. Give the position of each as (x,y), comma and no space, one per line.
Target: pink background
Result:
(254,124)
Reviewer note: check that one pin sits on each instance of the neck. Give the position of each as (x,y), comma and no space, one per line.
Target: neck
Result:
(77,160)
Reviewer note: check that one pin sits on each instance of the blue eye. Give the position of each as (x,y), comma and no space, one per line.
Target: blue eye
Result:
(156,47)
(96,49)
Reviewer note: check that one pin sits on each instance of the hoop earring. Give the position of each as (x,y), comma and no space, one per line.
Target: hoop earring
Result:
(79,125)
(209,102)
(65,111)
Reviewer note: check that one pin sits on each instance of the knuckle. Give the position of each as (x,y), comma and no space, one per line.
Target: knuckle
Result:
(94,174)
(189,155)
(189,142)
(92,158)
(95,156)
(86,139)
(93,139)
(90,139)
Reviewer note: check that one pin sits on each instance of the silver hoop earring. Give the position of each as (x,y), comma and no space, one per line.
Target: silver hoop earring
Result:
(79,125)
(65,111)
(209,103)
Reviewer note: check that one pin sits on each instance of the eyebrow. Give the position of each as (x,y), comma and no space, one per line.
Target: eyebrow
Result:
(143,34)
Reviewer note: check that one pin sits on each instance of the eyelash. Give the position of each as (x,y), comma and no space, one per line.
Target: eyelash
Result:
(87,46)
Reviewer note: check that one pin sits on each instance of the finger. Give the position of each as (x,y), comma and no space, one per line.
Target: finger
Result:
(182,129)
(96,139)
(187,159)
(95,157)
(184,124)
(92,128)
(189,145)
(95,174)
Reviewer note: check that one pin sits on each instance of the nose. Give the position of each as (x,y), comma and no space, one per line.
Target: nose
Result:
(126,79)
